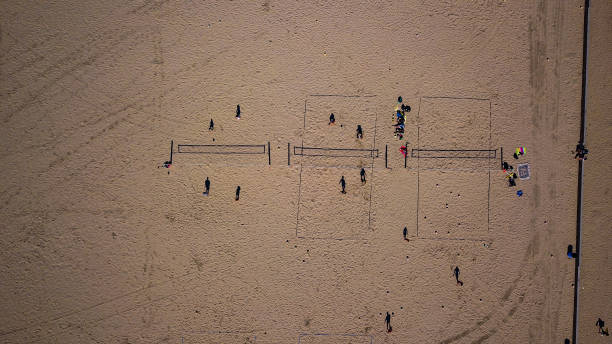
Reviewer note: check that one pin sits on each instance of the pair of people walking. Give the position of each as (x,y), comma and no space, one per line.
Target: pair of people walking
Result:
(211,124)
(207,189)
(343,181)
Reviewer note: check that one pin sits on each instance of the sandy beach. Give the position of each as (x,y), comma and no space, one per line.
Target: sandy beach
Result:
(102,243)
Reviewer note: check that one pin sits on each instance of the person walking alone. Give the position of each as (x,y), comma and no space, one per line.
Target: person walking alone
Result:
(238,193)
(206,186)
(363,178)
(388,322)
(343,184)
(456,273)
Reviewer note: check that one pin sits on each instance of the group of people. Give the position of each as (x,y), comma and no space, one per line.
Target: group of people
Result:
(510,174)
(509,169)
(400,118)
(207,189)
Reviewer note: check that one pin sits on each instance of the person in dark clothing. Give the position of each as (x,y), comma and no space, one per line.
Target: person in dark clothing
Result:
(238,111)
(580,156)
(207,186)
(238,193)
(362,173)
(388,322)
(332,119)
(456,273)
(600,324)
(211,126)
(511,179)
(581,151)
(343,184)
(359,132)
(405,233)
(601,330)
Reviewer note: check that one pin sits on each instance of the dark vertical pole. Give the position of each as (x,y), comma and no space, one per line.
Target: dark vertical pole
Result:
(386,156)
(585,41)
(406,155)
(288,154)
(171,149)
(269,159)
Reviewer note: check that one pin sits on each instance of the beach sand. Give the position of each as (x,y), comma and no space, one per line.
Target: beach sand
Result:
(102,245)
(595,281)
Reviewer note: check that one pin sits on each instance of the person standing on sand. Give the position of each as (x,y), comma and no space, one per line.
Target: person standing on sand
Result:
(362,173)
(211,126)
(405,108)
(405,233)
(601,330)
(207,186)
(456,273)
(399,115)
(332,119)
(359,132)
(581,151)
(238,111)
(511,182)
(343,184)
(388,322)
(238,193)
(600,324)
